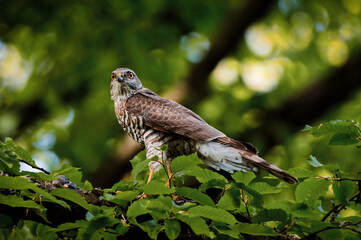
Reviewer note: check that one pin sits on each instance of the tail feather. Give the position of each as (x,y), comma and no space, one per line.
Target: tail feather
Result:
(231,155)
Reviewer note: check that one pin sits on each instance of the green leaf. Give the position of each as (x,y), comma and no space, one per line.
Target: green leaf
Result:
(14,201)
(255,229)
(335,126)
(172,228)
(264,188)
(140,168)
(9,162)
(216,214)
(257,197)
(21,183)
(230,200)
(39,175)
(98,223)
(156,188)
(195,195)
(72,173)
(160,207)
(5,221)
(182,163)
(343,191)
(270,215)
(151,227)
(311,189)
(204,175)
(299,172)
(314,162)
(140,157)
(307,128)
(71,225)
(213,183)
(343,139)
(244,177)
(137,208)
(164,148)
(125,186)
(75,197)
(197,224)
(127,195)
(121,229)
(22,153)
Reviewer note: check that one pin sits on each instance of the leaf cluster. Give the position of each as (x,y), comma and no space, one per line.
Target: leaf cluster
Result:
(325,206)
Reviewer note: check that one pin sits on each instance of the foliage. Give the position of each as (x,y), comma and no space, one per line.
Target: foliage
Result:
(322,205)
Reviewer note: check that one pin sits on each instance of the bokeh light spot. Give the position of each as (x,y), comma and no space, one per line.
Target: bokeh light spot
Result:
(226,72)
(195,45)
(352,6)
(259,41)
(261,76)
(14,70)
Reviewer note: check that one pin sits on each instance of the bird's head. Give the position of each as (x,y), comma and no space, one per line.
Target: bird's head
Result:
(124,82)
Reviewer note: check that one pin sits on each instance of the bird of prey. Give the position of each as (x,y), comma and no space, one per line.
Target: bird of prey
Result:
(153,121)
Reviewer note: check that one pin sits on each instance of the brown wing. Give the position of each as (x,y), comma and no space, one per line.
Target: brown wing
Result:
(168,116)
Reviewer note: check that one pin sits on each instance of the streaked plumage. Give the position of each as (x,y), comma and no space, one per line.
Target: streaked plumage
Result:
(154,121)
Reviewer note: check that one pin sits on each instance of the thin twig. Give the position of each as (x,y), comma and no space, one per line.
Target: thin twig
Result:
(339,179)
(335,208)
(36,167)
(312,235)
(245,204)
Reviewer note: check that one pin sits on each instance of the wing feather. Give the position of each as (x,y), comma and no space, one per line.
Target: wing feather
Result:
(168,116)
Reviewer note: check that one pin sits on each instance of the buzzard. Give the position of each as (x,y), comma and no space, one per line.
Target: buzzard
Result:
(154,121)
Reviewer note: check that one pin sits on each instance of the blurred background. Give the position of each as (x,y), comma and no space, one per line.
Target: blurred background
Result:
(258,70)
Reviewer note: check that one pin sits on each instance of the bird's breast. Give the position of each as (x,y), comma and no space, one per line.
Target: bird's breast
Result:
(133,125)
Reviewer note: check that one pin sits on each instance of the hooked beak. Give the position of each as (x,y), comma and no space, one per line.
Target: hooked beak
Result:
(120,78)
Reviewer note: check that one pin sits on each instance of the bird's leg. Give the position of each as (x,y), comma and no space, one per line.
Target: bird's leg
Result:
(151,172)
(154,166)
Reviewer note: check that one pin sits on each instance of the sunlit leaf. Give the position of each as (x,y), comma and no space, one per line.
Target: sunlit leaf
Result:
(127,195)
(314,162)
(138,208)
(204,175)
(299,172)
(15,201)
(22,153)
(244,177)
(335,126)
(264,188)
(155,188)
(343,191)
(311,188)
(216,214)
(181,163)
(21,183)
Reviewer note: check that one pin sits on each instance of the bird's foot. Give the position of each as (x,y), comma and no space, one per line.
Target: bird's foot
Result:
(143,195)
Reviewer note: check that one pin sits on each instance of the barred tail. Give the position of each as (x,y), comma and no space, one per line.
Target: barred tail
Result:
(231,155)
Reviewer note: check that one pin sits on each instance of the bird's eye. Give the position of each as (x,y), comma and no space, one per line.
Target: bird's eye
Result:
(130,75)
(113,76)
